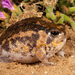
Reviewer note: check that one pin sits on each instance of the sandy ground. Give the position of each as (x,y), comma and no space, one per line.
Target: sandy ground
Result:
(64,65)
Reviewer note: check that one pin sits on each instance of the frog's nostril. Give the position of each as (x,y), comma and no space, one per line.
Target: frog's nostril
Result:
(54,32)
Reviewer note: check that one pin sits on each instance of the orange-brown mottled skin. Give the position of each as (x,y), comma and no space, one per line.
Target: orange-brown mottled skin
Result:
(31,40)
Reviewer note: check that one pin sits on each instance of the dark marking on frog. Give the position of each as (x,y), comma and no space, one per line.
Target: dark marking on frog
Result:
(30,49)
(24,54)
(34,44)
(21,47)
(32,55)
(40,27)
(49,48)
(6,46)
(21,39)
(13,41)
(29,45)
(35,37)
(15,45)
(36,30)
(28,38)
(49,40)
(17,38)
(24,30)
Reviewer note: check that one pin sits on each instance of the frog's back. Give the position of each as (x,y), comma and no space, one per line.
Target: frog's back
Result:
(26,24)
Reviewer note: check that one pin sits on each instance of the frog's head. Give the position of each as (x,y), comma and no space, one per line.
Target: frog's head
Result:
(58,36)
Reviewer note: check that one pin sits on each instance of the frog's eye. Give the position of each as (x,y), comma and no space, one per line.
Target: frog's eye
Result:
(54,33)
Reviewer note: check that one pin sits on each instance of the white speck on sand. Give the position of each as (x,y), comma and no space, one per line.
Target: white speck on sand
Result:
(46,72)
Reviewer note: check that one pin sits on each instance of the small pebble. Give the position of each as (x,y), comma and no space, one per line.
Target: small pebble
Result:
(46,72)
(32,72)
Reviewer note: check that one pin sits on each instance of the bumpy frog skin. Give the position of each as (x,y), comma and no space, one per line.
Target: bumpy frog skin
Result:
(31,40)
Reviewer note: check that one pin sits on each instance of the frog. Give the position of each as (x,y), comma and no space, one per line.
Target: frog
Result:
(31,40)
